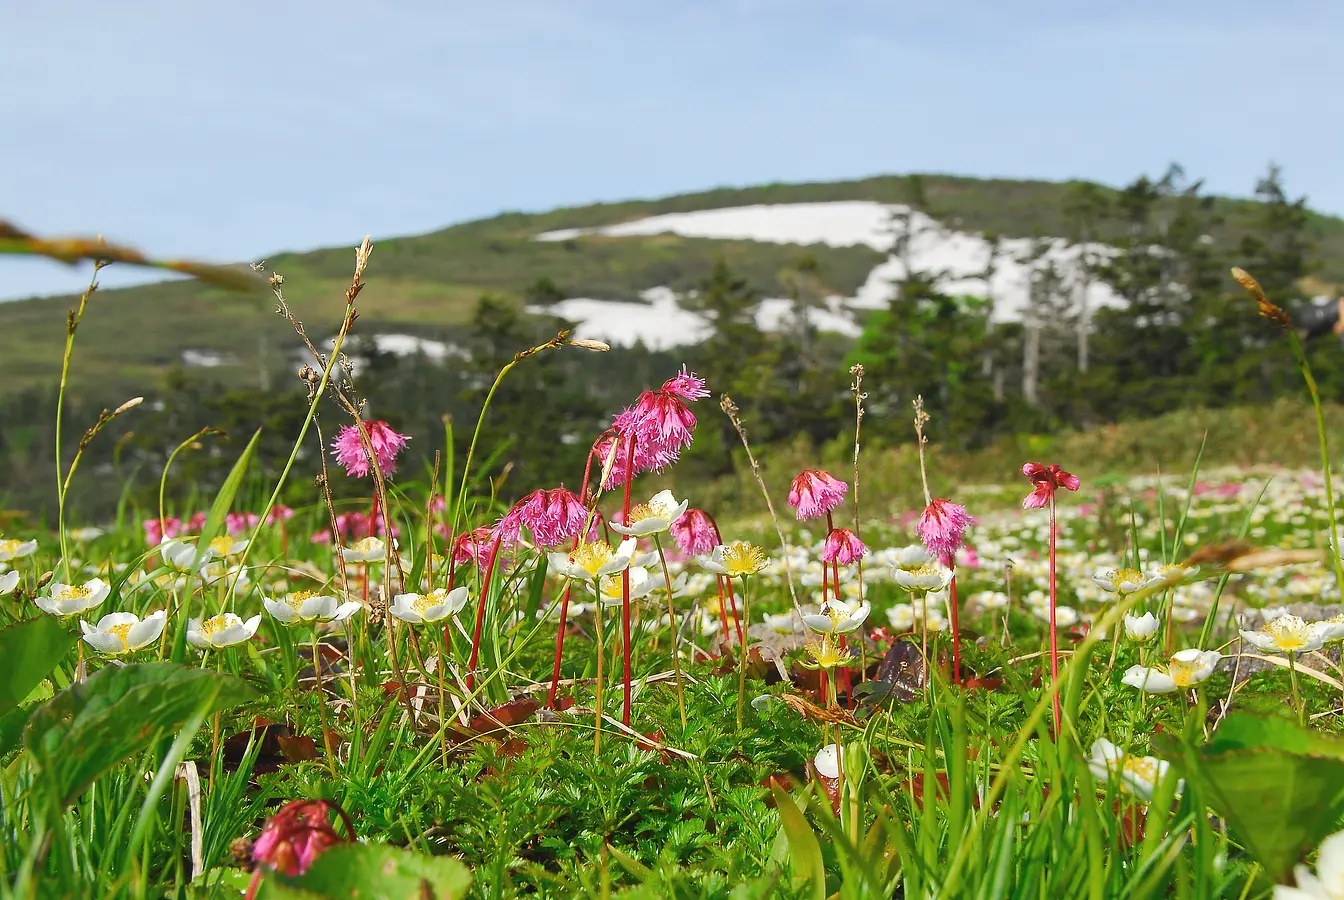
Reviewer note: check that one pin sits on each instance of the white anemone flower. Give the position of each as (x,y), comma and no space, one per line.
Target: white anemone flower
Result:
(8,582)
(178,555)
(592,560)
(308,606)
(901,617)
(1123,581)
(926,576)
(641,585)
(72,599)
(1137,774)
(119,633)
(221,631)
(1328,881)
(838,617)
(784,623)
(365,550)
(1185,670)
(435,606)
(1289,634)
(827,761)
(224,546)
(11,550)
(1140,628)
(86,535)
(1065,616)
(653,517)
(911,557)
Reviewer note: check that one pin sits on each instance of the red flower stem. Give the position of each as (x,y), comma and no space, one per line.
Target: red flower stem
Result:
(723,609)
(625,586)
(728,583)
(480,615)
(1054,637)
(564,598)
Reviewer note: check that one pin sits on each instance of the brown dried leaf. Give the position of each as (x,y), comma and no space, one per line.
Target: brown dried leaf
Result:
(1268,309)
(809,710)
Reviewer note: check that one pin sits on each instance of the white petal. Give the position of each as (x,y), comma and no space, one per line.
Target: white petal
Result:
(346,610)
(456,600)
(319,607)
(819,624)
(147,631)
(827,761)
(8,582)
(281,610)
(104,642)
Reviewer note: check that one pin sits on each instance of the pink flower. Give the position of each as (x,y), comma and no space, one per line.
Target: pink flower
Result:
(154,534)
(1046,480)
(843,546)
(197,521)
(279,513)
(237,523)
(942,528)
(686,385)
(298,834)
(649,457)
(472,545)
(349,450)
(660,424)
(815,493)
(969,558)
(695,532)
(553,516)
(438,503)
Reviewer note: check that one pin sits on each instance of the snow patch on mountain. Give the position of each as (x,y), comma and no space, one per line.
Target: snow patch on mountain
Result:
(958,261)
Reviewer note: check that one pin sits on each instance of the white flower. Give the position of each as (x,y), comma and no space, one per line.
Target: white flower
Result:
(646,560)
(12,550)
(224,546)
(120,632)
(911,557)
(432,607)
(592,560)
(838,617)
(653,517)
(1138,774)
(784,623)
(1289,634)
(1186,669)
(236,577)
(641,585)
(365,550)
(827,761)
(8,582)
(990,599)
(307,606)
(1140,628)
(70,599)
(1124,581)
(177,555)
(1065,616)
(925,577)
(86,535)
(1327,883)
(901,616)
(221,631)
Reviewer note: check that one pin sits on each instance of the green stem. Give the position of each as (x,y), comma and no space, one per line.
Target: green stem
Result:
(1335,549)
(672,623)
(597,618)
(71,326)
(322,704)
(1297,696)
(742,662)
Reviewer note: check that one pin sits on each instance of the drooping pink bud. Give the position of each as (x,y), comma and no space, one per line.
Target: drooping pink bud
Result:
(814,493)
(942,528)
(843,546)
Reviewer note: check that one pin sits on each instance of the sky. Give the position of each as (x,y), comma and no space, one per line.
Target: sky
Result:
(231,131)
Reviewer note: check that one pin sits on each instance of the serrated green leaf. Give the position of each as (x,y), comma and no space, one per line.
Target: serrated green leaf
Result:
(373,872)
(92,727)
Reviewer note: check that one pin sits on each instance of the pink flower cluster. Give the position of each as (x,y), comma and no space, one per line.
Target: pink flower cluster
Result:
(1045,481)
(298,834)
(553,516)
(843,546)
(660,425)
(349,449)
(942,528)
(352,526)
(236,523)
(695,533)
(814,493)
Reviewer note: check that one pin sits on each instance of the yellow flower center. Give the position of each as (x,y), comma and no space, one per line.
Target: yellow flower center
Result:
(423,602)
(214,624)
(10,547)
(1183,673)
(222,545)
(743,558)
(1143,768)
(591,557)
(121,631)
(77,592)
(295,600)
(827,655)
(1289,633)
(1120,576)
(640,513)
(368,545)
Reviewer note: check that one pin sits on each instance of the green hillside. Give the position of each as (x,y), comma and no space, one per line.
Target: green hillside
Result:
(428,284)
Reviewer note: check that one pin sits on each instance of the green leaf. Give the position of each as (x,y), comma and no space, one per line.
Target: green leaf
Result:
(90,728)
(29,650)
(1280,787)
(373,872)
(804,850)
(214,522)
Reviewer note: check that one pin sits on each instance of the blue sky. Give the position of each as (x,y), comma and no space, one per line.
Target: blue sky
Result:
(232,130)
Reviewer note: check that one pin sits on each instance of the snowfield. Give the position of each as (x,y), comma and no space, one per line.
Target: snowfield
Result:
(959,260)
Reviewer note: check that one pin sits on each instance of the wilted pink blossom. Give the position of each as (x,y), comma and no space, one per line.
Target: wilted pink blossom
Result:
(155,531)
(942,528)
(815,493)
(298,834)
(1045,481)
(349,450)
(843,546)
(695,533)
(237,523)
